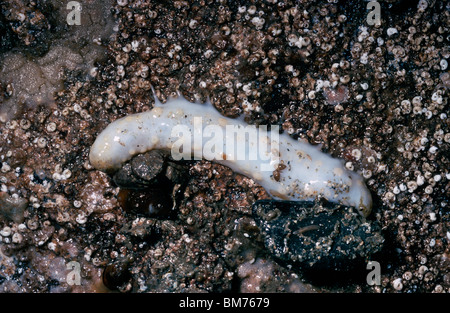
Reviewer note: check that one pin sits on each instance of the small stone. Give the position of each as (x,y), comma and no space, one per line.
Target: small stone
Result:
(149,165)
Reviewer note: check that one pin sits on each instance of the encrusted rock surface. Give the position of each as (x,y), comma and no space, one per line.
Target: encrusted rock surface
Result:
(375,96)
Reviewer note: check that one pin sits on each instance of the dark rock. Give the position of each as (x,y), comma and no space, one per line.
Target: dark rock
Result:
(315,235)
(149,165)
(125,178)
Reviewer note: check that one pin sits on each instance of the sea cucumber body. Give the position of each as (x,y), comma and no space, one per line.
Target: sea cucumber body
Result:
(307,172)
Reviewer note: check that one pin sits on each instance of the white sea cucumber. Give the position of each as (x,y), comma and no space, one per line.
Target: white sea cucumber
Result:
(299,171)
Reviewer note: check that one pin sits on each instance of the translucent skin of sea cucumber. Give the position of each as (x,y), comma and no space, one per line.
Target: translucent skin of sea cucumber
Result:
(309,173)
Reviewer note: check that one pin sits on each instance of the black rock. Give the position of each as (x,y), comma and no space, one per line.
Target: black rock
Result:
(316,235)
(149,165)
(125,178)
